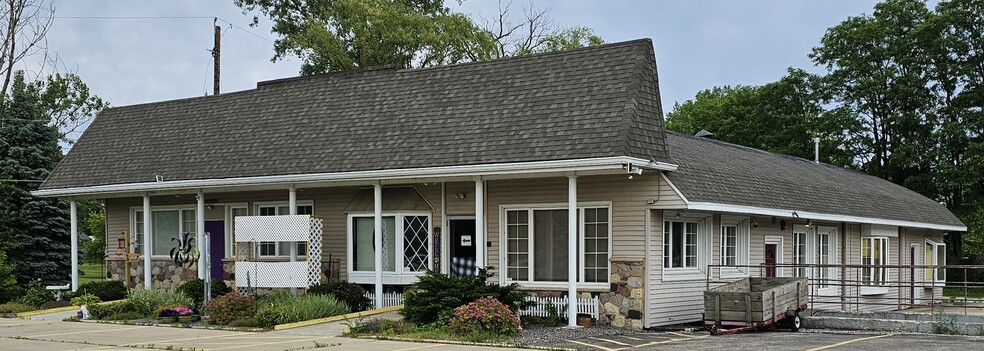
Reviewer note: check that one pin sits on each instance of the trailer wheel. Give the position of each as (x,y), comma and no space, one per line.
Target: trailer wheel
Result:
(794,322)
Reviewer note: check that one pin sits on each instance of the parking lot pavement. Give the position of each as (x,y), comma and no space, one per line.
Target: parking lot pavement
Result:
(38,335)
(773,340)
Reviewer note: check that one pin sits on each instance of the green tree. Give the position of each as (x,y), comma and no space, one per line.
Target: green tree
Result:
(9,289)
(783,117)
(33,231)
(338,35)
(94,251)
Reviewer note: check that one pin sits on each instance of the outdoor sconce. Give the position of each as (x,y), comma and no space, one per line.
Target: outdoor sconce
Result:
(460,196)
(755,224)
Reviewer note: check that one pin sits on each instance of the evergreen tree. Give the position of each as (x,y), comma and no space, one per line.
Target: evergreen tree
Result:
(33,231)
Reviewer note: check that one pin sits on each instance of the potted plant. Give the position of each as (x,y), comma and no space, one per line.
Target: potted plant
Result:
(168,316)
(83,301)
(186,314)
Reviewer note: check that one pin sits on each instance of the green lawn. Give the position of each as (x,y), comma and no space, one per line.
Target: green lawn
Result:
(975,292)
(92,272)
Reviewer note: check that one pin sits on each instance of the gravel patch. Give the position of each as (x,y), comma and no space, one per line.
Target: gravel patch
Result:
(544,335)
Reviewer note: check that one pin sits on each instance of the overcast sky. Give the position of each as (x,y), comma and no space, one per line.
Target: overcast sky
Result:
(699,44)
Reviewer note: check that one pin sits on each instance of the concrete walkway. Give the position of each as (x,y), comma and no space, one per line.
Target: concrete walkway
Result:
(334,328)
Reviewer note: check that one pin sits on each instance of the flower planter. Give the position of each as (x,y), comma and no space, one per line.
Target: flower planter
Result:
(583,319)
(188,318)
(167,320)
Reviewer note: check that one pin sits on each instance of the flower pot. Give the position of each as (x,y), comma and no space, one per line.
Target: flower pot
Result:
(583,319)
(167,320)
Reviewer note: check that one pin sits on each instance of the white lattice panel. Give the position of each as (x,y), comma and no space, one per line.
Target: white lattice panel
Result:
(272,274)
(273,228)
(314,252)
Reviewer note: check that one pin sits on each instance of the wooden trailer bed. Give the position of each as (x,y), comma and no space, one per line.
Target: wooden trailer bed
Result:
(751,303)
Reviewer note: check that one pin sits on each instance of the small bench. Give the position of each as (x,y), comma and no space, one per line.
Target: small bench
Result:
(59,290)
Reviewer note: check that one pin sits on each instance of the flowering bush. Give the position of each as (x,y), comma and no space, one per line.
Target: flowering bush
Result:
(184,311)
(231,307)
(485,316)
(167,313)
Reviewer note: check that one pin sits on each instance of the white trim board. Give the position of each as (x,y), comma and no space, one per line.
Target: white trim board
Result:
(716,207)
(404,174)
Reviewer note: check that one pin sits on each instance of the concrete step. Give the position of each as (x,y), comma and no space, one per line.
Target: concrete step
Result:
(939,323)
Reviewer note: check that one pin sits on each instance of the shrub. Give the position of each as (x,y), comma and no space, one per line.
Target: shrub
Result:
(380,326)
(195,289)
(54,304)
(148,301)
(250,322)
(107,290)
(103,311)
(15,308)
(9,289)
(87,299)
(435,296)
(352,294)
(36,295)
(298,309)
(485,316)
(231,307)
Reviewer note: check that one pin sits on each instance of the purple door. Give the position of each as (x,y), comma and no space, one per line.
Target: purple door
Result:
(216,250)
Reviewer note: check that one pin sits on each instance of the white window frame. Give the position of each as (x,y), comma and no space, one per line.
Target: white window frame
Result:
(742,240)
(876,287)
(802,249)
(829,288)
(136,243)
(399,276)
(704,239)
(231,228)
(277,205)
(931,275)
(503,277)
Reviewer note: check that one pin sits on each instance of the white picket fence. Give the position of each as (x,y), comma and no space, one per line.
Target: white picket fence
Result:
(585,306)
(389,299)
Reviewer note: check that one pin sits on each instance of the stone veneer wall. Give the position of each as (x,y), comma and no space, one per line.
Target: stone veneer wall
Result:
(622,307)
(166,275)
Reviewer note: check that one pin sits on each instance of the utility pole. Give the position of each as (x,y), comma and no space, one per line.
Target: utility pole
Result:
(215,56)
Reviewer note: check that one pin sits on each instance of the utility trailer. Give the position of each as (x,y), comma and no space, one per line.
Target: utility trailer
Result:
(753,303)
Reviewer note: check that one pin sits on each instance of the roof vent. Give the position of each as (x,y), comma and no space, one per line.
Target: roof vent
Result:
(703,133)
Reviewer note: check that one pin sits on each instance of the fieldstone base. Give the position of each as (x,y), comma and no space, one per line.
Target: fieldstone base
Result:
(165,274)
(622,306)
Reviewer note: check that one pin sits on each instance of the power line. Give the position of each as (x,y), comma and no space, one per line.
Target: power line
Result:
(169,17)
(244,30)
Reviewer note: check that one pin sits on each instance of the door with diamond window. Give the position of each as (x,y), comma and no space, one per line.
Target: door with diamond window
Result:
(416,241)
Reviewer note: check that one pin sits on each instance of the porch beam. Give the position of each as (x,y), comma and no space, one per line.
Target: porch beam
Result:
(74,219)
(292,203)
(146,241)
(378,241)
(200,234)
(572,251)
(480,224)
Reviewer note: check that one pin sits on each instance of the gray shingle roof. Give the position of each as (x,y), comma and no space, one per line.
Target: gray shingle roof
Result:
(719,172)
(592,102)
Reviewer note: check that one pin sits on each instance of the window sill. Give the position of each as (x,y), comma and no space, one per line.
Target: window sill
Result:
(389,278)
(685,274)
(873,290)
(733,273)
(832,292)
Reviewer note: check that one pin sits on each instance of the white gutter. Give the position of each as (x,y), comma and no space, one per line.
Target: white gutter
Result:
(495,169)
(716,207)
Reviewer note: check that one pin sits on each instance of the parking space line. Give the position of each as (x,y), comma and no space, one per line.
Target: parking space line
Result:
(595,346)
(607,340)
(624,336)
(269,343)
(416,347)
(677,334)
(842,343)
(670,341)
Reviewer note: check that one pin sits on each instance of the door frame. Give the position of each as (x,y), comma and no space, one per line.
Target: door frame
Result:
(220,260)
(914,298)
(778,241)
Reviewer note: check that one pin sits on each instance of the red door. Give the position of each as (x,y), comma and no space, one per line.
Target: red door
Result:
(770,259)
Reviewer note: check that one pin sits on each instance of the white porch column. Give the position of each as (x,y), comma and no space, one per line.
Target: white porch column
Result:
(200,234)
(146,241)
(74,218)
(572,251)
(480,224)
(292,203)
(378,241)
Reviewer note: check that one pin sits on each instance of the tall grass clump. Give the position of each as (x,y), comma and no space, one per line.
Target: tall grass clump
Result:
(148,301)
(283,308)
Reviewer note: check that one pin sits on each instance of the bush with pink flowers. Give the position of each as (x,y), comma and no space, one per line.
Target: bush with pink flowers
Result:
(485,316)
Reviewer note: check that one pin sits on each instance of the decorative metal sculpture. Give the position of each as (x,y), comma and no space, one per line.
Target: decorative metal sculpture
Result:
(186,252)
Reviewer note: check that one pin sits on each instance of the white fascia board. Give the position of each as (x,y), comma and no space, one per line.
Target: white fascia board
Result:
(716,207)
(466,171)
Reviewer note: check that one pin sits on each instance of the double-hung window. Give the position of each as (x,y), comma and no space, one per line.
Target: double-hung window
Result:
(874,254)
(801,250)
(734,246)
(166,223)
(687,245)
(406,246)
(282,248)
(935,255)
(535,249)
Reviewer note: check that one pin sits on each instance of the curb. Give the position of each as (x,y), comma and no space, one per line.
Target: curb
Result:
(57,310)
(336,318)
